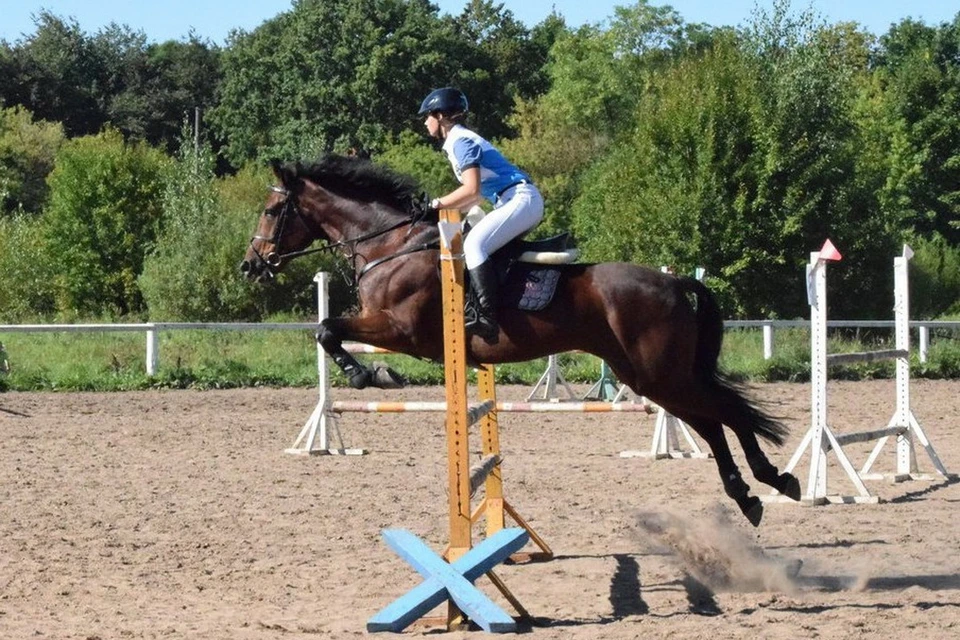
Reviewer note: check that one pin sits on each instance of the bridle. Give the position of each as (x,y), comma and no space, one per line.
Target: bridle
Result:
(291,208)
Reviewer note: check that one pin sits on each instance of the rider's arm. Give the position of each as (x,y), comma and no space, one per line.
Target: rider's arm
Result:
(464,196)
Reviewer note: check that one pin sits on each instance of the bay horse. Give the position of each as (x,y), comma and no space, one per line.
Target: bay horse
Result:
(660,334)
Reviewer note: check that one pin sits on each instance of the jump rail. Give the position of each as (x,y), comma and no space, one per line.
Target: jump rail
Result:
(313,438)
(820,438)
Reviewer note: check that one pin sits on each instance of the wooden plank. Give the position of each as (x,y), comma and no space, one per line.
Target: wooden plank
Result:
(868,436)
(445,581)
(480,472)
(866,356)
(357,406)
(455,375)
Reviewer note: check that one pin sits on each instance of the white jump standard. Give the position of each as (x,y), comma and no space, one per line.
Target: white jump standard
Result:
(313,437)
(820,439)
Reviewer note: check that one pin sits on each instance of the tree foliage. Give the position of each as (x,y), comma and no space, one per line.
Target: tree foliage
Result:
(331,74)
(343,74)
(26,271)
(192,272)
(143,90)
(921,67)
(742,160)
(104,215)
(27,150)
(655,140)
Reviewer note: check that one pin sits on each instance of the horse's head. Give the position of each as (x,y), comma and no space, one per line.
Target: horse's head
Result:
(348,201)
(282,230)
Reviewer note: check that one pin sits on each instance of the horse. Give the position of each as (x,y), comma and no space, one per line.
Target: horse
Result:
(660,334)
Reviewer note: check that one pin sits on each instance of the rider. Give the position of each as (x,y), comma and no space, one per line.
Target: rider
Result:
(483,172)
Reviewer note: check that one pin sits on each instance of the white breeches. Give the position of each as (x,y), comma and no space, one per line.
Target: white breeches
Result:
(520,209)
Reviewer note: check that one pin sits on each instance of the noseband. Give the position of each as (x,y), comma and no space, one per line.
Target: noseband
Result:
(274,259)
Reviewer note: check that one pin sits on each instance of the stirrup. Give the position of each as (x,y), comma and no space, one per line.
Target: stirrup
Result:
(483,327)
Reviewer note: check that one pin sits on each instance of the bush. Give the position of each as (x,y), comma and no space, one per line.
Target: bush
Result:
(26,285)
(423,163)
(27,150)
(192,274)
(104,215)
(934,278)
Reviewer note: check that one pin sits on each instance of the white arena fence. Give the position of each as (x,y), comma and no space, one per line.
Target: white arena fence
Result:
(152,331)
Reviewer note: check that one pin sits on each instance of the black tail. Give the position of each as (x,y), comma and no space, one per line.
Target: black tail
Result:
(709,342)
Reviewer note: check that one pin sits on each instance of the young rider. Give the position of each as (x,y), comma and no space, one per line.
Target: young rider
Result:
(483,172)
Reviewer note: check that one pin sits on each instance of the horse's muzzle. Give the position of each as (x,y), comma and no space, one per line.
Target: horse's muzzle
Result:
(256,270)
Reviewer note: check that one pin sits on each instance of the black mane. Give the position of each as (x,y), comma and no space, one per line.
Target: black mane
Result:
(361,179)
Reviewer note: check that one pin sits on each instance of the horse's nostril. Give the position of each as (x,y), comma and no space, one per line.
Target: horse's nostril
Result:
(245,266)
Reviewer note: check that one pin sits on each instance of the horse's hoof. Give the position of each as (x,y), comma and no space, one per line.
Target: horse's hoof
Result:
(792,568)
(790,486)
(386,378)
(754,513)
(360,379)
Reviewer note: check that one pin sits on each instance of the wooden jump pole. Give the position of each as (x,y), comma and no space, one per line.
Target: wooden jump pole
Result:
(452,580)
(494,505)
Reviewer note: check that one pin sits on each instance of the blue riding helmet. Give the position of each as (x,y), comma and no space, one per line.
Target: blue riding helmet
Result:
(446,100)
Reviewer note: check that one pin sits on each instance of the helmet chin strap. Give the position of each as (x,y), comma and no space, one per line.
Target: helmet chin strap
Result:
(441,129)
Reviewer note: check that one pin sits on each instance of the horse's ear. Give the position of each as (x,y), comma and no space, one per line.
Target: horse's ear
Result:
(282,173)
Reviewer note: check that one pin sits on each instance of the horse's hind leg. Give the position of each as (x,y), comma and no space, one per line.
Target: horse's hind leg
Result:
(763,470)
(733,484)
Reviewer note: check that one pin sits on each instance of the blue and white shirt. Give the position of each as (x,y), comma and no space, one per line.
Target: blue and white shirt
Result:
(466,149)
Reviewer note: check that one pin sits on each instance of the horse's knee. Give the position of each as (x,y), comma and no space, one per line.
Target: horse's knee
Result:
(327,338)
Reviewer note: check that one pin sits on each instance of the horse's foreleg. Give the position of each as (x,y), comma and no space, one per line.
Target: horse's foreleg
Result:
(359,376)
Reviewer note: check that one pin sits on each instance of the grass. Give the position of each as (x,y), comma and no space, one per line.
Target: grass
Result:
(201,359)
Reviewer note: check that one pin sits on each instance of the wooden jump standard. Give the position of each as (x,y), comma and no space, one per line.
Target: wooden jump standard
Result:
(453,582)
(820,438)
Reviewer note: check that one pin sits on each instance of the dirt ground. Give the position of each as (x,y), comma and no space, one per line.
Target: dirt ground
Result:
(177,514)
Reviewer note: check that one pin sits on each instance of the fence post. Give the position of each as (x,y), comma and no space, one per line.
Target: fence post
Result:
(924,342)
(768,340)
(153,351)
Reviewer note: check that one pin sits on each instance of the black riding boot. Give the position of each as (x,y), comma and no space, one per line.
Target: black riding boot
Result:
(484,322)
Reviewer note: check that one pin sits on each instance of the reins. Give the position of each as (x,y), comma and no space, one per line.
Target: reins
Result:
(349,245)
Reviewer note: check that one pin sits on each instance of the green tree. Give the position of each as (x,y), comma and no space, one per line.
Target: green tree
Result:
(742,159)
(192,273)
(103,216)
(504,64)
(920,69)
(27,150)
(410,156)
(184,76)
(55,76)
(598,73)
(338,74)
(331,74)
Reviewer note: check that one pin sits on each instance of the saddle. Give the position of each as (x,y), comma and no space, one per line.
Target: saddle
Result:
(527,270)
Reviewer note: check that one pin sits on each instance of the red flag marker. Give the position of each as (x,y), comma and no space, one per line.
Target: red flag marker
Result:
(829,252)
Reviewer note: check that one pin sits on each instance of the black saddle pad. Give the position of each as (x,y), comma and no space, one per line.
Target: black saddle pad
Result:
(530,287)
